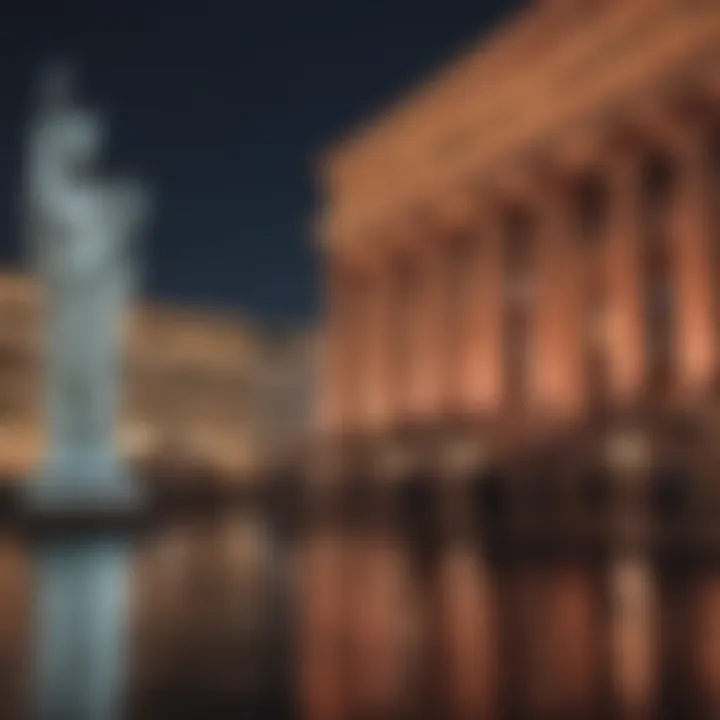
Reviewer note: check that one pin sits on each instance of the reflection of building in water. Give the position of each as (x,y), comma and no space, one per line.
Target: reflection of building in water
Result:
(522,326)
(205,389)
(210,619)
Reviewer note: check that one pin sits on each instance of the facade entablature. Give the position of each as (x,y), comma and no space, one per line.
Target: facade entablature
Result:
(657,120)
(492,62)
(637,51)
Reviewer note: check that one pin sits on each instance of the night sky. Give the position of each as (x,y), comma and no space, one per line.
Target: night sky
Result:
(223,107)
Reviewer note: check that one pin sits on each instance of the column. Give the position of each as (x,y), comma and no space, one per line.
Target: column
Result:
(415,399)
(359,356)
(335,408)
(329,411)
(377,344)
(625,328)
(404,309)
(426,393)
(558,349)
(691,235)
(459,278)
(482,372)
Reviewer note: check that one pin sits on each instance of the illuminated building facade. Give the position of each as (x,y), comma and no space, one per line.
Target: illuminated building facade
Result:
(522,333)
(199,387)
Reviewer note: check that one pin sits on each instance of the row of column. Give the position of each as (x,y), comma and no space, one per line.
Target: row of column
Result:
(423,330)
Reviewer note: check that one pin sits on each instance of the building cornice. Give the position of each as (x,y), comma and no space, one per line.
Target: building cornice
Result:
(577,86)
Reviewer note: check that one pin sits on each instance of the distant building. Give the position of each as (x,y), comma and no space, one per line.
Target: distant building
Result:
(522,320)
(197,387)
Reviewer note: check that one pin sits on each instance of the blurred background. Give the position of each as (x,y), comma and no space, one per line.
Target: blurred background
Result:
(424,375)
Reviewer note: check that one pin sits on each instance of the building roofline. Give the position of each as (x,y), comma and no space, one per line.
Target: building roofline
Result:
(429,91)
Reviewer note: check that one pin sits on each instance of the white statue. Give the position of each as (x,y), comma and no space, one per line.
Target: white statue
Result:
(82,229)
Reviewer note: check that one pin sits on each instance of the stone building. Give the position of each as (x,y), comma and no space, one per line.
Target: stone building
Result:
(521,355)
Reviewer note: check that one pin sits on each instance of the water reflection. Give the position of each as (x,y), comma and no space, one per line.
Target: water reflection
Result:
(14,624)
(208,621)
(379,635)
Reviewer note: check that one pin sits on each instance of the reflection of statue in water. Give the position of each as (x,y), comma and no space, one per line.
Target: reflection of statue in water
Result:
(81,227)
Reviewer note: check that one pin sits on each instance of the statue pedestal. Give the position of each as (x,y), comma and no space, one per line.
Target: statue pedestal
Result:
(82,538)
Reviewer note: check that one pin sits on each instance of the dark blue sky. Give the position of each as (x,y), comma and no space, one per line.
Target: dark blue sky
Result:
(223,108)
